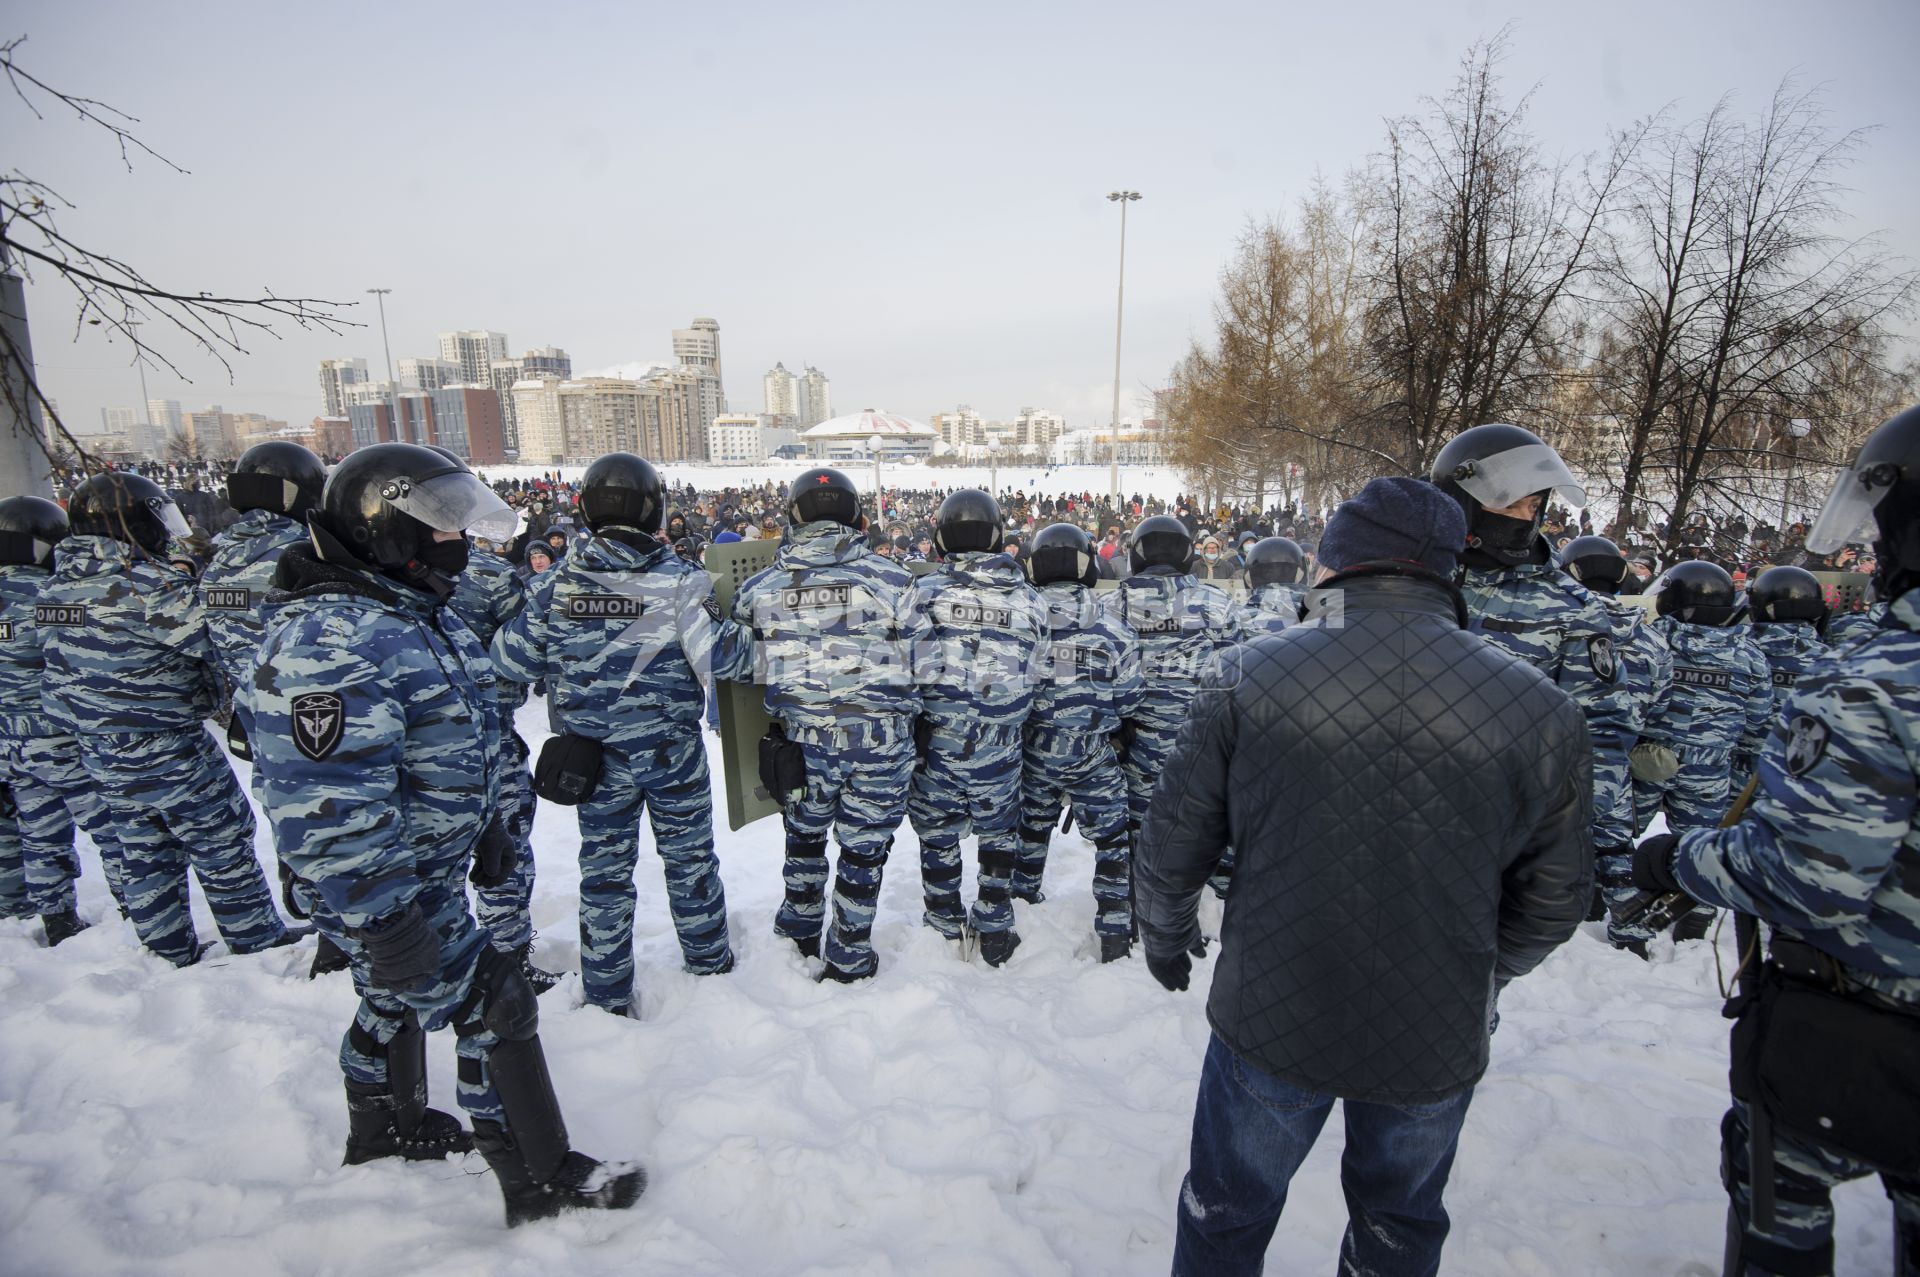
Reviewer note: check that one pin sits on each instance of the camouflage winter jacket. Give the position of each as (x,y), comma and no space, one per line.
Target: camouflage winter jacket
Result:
(833,638)
(1830,848)
(1270,609)
(624,638)
(1722,692)
(234,586)
(1090,680)
(1844,631)
(1646,663)
(1182,623)
(125,641)
(983,641)
(487,595)
(1791,648)
(22,667)
(376,738)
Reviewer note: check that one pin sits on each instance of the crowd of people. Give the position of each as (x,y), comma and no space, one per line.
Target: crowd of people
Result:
(1424,746)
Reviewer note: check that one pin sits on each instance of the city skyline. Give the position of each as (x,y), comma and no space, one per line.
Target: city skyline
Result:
(925,247)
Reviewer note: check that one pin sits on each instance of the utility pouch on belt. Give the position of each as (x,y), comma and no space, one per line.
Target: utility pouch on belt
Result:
(1827,1066)
(568,769)
(783,767)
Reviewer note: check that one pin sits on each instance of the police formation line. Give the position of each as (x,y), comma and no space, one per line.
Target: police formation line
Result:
(374,660)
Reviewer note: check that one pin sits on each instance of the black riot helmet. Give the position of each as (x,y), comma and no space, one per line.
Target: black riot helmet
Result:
(969,519)
(280,476)
(1492,467)
(1787,594)
(29,529)
(823,493)
(1274,561)
(449,454)
(384,502)
(1878,497)
(621,490)
(1161,541)
(1595,562)
(127,507)
(1696,592)
(1062,552)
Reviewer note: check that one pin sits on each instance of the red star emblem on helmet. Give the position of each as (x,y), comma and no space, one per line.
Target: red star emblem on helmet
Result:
(821,479)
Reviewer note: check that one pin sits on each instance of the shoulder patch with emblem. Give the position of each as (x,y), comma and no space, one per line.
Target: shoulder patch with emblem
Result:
(1806,744)
(712,606)
(1605,661)
(318,720)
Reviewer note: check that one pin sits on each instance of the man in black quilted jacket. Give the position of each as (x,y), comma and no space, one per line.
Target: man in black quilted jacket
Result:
(1410,806)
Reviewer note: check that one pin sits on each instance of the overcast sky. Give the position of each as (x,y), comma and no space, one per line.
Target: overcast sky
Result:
(910,199)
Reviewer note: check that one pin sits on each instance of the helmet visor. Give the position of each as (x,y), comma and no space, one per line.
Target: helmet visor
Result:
(1502,479)
(168,515)
(1848,515)
(453,502)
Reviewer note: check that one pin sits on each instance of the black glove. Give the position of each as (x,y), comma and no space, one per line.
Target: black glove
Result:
(403,954)
(1171,971)
(493,857)
(1653,864)
(287,897)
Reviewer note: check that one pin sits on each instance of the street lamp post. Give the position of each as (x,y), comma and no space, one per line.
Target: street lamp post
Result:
(1799,428)
(1123,198)
(879,506)
(993,469)
(146,404)
(393,391)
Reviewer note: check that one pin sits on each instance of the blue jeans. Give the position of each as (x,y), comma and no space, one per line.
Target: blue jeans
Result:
(1251,1131)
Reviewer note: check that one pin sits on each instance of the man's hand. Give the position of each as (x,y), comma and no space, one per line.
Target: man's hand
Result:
(402,952)
(1653,864)
(1171,972)
(494,856)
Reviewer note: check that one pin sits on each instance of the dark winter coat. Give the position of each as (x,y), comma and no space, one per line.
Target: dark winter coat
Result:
(1409,805)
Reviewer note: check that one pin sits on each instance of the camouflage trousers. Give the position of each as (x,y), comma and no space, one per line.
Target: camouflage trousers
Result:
(1801,1241)
(382,1015)
(858,791)
(506,911)
(1146,757)
(1695,797)
(173,803)
(13,869)
(51,795)
(667,776)
(1081,768)
(967,783)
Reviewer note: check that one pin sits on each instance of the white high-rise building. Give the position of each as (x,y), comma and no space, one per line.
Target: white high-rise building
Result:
(536,405)
(736,438)
(782,390)
(961,428)
(474,350)
(431,374)
(168,422)
(1036,429)
(335,376)
(814,397)
(697,350)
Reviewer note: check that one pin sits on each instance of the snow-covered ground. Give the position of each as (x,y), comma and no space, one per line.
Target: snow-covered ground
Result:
(944,1118)
(1159,481)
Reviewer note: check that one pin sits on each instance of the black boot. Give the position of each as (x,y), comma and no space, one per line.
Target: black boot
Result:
(577,1183)
(64,925)
(374,1129)
(328,958)
(1694,926)
(809,946)
(1597,906)
(540,979)
(1114,948)
(997,946)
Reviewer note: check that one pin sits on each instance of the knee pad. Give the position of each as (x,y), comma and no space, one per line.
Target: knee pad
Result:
(503,998)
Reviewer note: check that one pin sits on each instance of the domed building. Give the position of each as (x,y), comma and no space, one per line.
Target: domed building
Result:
(847,438)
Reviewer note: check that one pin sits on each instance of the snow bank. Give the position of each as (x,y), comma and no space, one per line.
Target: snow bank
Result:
(943,1119)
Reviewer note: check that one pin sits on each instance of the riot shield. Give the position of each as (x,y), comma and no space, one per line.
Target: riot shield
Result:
(743,710)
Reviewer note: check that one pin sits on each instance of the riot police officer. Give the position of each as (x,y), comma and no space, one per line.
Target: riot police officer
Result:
(130,673)
(986,637)
(1089,686)
(48,790)
(1828,856)
(1788,609)
(1503,477)
(625,634)
(1274,569)
(833,642)
(375,734)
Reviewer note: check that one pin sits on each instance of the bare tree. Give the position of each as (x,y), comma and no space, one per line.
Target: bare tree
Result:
(1478,243)
(1734,309)
(109,293)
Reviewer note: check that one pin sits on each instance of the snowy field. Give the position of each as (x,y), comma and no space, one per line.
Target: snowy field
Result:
(944,1118)
(1158,481)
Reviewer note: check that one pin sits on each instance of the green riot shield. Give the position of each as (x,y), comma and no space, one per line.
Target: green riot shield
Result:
(743,711)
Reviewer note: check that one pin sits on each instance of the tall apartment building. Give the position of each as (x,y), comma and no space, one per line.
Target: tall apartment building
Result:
(782,392)
(813,397)
(1037,429)
(405,418)
(960,428)
(536,407)
(466,420)
(431,374)
(475,351)
(335,376)
(599,415)
(168,421)
(545,361)
(697,350)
